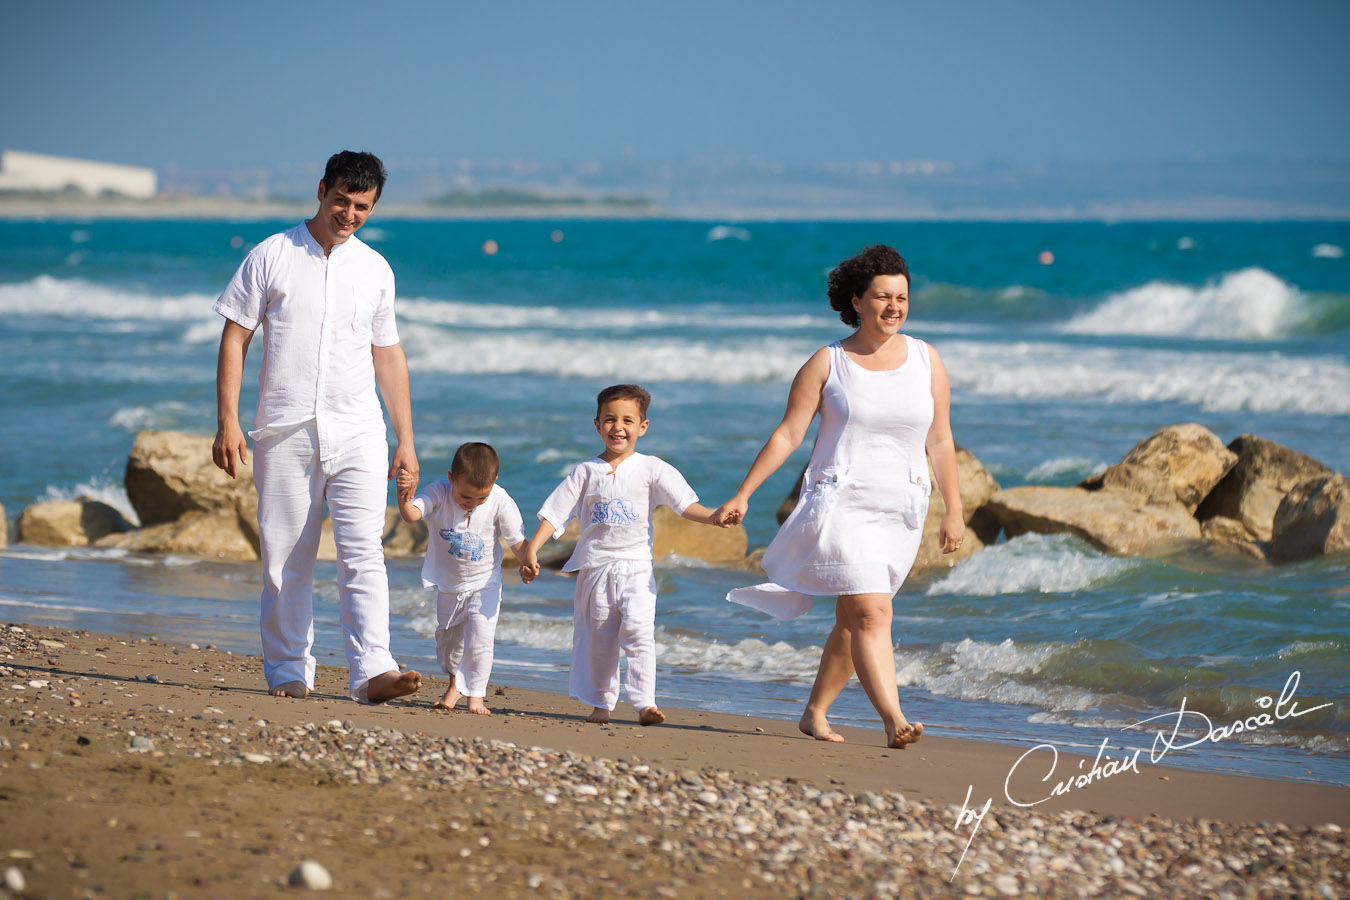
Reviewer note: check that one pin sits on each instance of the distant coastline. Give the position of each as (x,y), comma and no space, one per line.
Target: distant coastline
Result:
(65,207)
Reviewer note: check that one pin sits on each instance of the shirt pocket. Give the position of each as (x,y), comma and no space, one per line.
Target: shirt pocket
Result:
(365,301)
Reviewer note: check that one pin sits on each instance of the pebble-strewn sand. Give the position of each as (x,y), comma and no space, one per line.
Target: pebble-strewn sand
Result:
(134,768)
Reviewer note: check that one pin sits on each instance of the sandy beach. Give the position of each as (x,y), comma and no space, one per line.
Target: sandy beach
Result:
(140,768)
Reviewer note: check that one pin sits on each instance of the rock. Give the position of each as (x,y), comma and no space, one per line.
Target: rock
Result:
(4,527)
(1251,492)
(1232,533)
(672,533)
(931,558)
(1312,520)
(169,474)
(1114,521)
(69,523)
(403,538)
(208,535)
(312,875)
(1179,464)
(14,880)
(142,744)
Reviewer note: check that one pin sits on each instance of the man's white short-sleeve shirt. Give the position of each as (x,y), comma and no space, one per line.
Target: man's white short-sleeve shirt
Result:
(463,550)
(320,317)
(613,507)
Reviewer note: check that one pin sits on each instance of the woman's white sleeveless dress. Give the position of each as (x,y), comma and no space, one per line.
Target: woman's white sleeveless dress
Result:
(857,524)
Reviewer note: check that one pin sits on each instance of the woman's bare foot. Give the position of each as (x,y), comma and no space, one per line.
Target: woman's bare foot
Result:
(650,715)
(296,689)
(477,706)
(898,738)
(391,685)
(599,716)
(449,698)
(817,727)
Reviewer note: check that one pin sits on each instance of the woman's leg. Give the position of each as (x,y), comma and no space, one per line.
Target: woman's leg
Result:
(869,622)
(836,668)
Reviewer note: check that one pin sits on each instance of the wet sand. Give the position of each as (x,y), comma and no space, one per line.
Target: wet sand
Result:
(140,768)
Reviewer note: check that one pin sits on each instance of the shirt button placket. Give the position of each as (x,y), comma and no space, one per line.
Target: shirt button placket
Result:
(320,388)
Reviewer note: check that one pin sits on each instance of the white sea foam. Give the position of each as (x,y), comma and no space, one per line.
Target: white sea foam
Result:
(79,299)
(115,495)
(727,232)
(463,314)
(1328,251)
(1308,648)
(1032,563)
(1078,467)
(1248,304)
(168,414)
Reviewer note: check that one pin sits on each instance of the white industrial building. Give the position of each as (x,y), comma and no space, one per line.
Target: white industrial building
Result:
(21,171)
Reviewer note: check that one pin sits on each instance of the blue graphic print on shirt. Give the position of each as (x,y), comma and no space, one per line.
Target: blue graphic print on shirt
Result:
(617,511)
(464,544)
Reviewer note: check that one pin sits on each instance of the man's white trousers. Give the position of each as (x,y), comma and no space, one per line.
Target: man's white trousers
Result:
(614,609)
(292,487)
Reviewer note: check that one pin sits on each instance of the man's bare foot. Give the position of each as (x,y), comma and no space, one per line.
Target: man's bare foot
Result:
(296,689)
(386,687)
(651,716)
(449,698)
(477,706)
(898,738)
(818,728)
(599,716)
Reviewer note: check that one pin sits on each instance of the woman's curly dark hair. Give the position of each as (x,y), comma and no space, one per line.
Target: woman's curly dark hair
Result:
(854,275)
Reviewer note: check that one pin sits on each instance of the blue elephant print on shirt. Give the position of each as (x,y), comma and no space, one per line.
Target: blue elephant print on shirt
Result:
(617,511)
(464,544)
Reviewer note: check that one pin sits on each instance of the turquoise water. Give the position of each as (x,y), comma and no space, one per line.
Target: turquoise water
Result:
(1057,370)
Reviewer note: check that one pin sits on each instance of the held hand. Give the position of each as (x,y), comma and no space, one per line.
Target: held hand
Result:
(951,532)
(730,513)
(529,569)
(230,450)
(407,485)
(405,457)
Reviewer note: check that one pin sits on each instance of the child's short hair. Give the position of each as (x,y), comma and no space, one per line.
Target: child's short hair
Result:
(475,463)
(624,392)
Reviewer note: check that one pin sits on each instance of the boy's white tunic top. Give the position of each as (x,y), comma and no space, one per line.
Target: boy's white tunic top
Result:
(613,507)
(463,553)
(320,317)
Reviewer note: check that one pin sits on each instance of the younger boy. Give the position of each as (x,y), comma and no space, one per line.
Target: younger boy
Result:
(614,605)
(466,513)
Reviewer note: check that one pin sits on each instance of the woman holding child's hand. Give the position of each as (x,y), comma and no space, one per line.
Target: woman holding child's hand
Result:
(883,400)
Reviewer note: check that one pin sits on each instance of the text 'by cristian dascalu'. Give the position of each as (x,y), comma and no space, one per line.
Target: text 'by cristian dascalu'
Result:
(1167,739)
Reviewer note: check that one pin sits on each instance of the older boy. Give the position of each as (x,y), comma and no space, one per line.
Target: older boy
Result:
(467,514)
(614,605)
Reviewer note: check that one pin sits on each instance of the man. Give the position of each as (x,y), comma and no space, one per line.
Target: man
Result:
(326,303)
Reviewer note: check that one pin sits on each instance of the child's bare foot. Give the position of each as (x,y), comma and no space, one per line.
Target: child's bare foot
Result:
(817,727)
(296,689)
(449,698)
(651,716)
(599,716)
(393,684)
(900,736)
(476,705)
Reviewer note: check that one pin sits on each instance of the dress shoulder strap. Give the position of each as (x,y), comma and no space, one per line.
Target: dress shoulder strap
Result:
(920,349)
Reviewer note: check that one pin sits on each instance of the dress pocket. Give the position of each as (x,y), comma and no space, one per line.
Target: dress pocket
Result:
(914,504)
(821,489)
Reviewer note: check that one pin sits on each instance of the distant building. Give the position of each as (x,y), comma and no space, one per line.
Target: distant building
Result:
(21,171)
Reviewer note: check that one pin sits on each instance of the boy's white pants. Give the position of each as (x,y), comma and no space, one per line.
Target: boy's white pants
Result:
(614,608)
(292,486)
(466,626)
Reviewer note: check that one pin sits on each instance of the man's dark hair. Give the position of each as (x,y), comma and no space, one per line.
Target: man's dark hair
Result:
(624,392)
(476,464)
(358,171)
(852,277)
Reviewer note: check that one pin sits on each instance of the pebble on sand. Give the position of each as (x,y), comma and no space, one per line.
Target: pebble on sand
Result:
(14,880)
(312,875)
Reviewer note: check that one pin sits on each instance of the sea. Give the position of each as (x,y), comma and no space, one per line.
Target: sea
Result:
(1066,344)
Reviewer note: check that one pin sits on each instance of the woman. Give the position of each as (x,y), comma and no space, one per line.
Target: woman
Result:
(883,400)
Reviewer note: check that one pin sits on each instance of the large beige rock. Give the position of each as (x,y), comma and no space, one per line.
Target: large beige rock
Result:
(1179,464)
(403,538)
(1313,519)
(1251,492)
(4,527)
(170,473)
(672,533)
(1114,521)
(69,523)
(207,535)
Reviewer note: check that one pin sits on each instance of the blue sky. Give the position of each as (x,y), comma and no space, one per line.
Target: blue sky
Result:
(1029,83)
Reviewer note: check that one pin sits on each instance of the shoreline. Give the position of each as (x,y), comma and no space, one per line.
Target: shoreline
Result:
(233,782)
